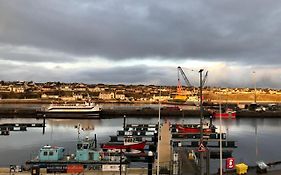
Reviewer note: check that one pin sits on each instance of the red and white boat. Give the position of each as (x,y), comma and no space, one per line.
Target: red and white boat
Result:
(228,114)
(128,144)
(187,129)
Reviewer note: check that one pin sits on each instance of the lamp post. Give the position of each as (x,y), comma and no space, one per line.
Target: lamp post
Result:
(220,142)
(158,132)
(124,122)
(255,86)
(201,122)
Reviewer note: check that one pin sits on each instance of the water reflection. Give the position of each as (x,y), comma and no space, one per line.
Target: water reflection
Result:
(69,123)
(20,146)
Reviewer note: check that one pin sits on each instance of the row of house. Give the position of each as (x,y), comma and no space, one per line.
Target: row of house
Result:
(80,91)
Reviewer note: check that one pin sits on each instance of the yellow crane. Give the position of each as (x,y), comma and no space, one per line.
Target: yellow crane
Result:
(182,96)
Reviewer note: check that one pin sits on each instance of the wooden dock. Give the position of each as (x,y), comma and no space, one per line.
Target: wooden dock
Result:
(164,144)
(166,154)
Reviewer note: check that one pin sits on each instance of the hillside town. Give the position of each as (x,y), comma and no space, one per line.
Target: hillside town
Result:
(58,91)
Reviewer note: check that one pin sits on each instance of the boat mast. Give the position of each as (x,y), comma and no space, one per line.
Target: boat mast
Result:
(220,142)
(78,131)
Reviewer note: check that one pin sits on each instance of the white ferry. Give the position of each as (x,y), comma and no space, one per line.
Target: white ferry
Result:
(86,108)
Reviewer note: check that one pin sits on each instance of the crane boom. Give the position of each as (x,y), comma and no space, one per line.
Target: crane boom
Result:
(205,78)
(184,77)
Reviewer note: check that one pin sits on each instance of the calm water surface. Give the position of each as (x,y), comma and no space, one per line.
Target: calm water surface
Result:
(22,146)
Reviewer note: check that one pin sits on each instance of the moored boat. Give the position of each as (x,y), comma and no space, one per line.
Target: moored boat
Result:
(129,144)
(188,129)
(90,109)
(228,114)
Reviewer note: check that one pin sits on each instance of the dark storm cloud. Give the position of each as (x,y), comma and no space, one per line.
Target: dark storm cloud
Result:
(140,74)
(126,75)
(22,54)
(239,31)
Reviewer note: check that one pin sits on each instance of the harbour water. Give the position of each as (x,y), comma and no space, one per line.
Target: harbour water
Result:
(257,139)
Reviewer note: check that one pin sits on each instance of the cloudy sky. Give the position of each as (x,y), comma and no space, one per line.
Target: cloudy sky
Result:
(141,42)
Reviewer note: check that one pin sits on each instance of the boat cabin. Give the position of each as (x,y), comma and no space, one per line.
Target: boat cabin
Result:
(51,153)
(129,140)
(85,150)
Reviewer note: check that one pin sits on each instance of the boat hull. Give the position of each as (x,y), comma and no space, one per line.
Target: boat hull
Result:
(72,111)
(135,146)
(182,129)
(231,115)
(74,115)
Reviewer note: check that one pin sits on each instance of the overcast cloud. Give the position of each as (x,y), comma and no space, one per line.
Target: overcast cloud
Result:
(234,38)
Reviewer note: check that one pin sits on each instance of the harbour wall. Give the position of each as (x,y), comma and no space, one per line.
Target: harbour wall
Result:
(117,113)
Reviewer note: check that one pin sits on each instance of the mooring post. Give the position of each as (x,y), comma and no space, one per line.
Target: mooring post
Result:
(124,122)
(120,162)
(155,138)
(44,124)
(207,162)
(95,140)
(150,161)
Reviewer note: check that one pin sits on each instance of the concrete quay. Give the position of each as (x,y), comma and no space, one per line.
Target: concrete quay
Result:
(129,171)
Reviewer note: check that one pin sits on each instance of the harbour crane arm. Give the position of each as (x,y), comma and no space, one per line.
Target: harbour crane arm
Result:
(205,78)
(184,77)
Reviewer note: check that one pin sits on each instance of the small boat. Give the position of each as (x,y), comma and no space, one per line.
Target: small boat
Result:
(228,114)
(189,129)
(51,153)
(85,151)
(129,144)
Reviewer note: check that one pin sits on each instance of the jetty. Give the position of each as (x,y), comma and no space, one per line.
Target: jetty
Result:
(6,128)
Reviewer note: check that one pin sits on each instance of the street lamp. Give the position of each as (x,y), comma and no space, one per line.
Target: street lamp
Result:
(158,140)
(220,141)
(255,86)
(201,121)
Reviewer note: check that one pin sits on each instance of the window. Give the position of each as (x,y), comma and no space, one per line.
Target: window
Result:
(79,145)
(85,146)
(45,153)
(51,153)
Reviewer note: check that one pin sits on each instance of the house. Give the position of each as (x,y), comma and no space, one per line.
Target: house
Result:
(5,88)
(106,95)
(66,88)
(94,88)
(164,97)
(78,96)
(48,88)
(120,96)
(80,87)
(49,96)
(17,88)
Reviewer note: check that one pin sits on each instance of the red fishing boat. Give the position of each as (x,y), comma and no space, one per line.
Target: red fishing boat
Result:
(187,129)
(129,144)
(228,114)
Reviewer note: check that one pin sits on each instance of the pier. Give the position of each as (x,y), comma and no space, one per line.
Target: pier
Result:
(164,147)
(6,128)
(173,159)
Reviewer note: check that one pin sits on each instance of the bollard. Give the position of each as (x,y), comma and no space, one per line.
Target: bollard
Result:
(150,161)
